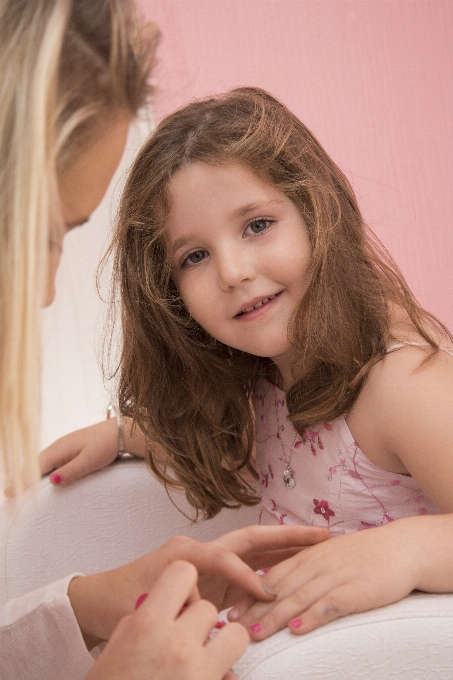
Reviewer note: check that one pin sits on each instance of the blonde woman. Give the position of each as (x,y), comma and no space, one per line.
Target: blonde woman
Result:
(73,76)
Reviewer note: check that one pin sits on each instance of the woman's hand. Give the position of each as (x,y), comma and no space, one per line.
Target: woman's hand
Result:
(77,454)
(100,600)
(352,573)
(259,547)
(159,643)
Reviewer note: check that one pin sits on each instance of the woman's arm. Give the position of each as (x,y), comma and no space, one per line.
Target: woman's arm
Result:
(159,642)
(101,600)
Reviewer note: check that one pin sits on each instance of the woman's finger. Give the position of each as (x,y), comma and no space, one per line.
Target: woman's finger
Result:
(210,558)
(174,587)
(202,616)
(227,647)
(264,538)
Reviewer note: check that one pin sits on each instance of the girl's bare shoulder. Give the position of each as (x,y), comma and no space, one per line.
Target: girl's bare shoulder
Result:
(403,415)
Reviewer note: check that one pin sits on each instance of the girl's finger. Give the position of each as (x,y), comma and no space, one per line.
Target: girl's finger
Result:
(334,605)
(241,607)
(59,453)
(263,620)
(78,467)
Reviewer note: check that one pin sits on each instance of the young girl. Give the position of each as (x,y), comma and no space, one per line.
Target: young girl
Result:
(256,306)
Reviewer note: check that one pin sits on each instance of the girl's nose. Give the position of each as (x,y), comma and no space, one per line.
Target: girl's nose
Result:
(234,267)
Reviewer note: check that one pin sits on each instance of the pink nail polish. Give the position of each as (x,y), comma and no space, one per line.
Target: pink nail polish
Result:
(55,478)
(265,570)
(295,623)
(141,600)
(220,624)
(255,628)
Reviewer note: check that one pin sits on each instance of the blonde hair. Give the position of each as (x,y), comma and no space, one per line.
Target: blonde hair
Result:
(65,67)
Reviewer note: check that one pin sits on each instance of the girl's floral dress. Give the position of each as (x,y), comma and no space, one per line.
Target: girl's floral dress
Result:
(336,486)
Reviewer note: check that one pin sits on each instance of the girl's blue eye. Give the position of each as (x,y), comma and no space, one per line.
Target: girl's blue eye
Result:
(258,226)
(194,258)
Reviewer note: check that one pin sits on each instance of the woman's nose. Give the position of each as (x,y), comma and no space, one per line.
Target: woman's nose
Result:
(235,266)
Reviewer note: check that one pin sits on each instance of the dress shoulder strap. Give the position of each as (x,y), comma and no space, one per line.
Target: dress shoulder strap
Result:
(397,345)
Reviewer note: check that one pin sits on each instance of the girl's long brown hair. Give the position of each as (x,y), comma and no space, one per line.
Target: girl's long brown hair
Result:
(191,394)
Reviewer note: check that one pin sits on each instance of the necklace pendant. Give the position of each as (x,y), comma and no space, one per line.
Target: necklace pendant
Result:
(288,478)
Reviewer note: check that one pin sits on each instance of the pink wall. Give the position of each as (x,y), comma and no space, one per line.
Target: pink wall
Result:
(371,78)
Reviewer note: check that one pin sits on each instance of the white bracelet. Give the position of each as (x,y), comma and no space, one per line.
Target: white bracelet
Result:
(114,410)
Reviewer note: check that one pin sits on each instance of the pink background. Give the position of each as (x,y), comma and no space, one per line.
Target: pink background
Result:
(373,81)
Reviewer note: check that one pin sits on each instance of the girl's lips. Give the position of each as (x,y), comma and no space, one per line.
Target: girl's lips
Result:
(258,311)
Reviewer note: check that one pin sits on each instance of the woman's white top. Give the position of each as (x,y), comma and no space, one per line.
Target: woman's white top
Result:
(40,638)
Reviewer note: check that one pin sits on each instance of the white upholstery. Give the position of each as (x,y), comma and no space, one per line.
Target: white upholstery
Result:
(122,512)
(107,519)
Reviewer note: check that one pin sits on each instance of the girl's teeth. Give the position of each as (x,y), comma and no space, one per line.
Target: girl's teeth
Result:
(263,302)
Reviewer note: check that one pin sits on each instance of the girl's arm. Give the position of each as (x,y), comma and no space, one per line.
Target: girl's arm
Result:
(402,420)
(92,448)
(89,449)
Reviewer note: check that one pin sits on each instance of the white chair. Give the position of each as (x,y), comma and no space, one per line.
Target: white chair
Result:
(122,512)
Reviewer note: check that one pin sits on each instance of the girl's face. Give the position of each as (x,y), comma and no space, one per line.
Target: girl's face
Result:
(240,255)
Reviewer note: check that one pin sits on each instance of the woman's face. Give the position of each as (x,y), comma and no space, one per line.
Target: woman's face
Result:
(83,184)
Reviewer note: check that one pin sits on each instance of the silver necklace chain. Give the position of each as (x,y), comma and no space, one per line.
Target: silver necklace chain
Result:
(288,472)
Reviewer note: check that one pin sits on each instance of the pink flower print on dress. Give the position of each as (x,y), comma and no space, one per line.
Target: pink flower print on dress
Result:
(328,427)
(282,517)
(265,476)
(274,506)
(259,397)
(315,438)
(322,508)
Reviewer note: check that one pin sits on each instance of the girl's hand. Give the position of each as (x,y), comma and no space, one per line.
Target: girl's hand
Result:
(92,448)
(159,643)
(100,600)
(346,574)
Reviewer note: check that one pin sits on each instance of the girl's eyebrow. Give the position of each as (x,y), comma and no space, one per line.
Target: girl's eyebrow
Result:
(251,207)
(181,241)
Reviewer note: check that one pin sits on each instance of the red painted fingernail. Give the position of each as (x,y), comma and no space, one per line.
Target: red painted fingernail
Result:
(265,570)
(183,609)
(55,478)
(255,628)
(296,623)
(220,624)
(141,600)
